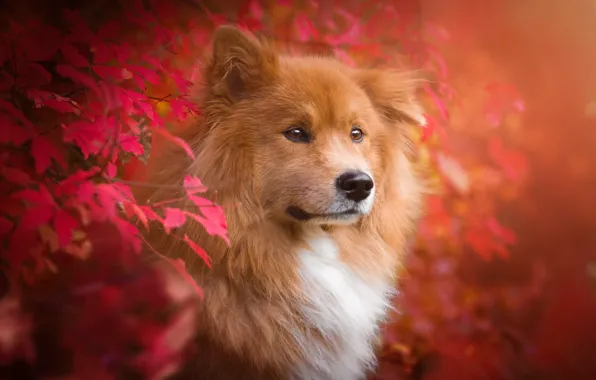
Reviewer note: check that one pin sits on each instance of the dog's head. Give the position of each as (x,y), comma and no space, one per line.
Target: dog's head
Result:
(309,138)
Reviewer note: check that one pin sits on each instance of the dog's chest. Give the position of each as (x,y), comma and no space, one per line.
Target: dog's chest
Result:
(343,308)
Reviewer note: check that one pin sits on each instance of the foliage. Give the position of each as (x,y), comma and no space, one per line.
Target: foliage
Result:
(84,100)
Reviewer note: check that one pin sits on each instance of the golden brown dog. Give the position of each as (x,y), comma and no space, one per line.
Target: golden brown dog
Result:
(309,157)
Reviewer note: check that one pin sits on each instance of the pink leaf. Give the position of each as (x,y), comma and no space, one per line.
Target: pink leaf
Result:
(131,144)
(181,108)
(111,170)
(110,72)
(36,216)
(193,185)
(62,106)
(90,137)
(180,267)
(64,225)
(174,218)
(70,72)
(72,55)
(43,152)
(198,250)
(306,29)
(147,74)
(213,227)
(182,83)
(438,103)
(176,140)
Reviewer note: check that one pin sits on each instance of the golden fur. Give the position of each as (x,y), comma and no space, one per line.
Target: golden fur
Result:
(252,321)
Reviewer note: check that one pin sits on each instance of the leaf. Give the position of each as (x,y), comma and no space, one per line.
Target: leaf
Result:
(212,227)
(110,72)
(131,144)
(64,225)
(193,185)
(15,175)
(176,140)
(36,216)
(43,151)
(62,106)
(180,267)
(305,27)
(136,210)
(31,74)
(11,132)
(70,72)
(15,113)
(147,74)
(88,136)
(5,226)
(198,250)
(6,80)
(174,218)
(72,55)
(183,84)
(181,108)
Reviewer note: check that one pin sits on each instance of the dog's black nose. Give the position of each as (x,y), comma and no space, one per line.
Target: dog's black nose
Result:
(355,185)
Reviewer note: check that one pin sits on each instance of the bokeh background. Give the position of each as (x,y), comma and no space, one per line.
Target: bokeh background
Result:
(500,282)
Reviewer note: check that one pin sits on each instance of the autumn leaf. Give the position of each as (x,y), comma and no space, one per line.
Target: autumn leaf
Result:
(174,218)
(176,140)
(131,144)
(72,55)
(64,225)
(44,151)
(193,185)
(198,250)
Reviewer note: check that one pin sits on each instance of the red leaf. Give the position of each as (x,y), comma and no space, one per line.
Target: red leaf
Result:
(147,74)
(198,250)
(438,103)
(193,185)
(78,77)
(6,80)
(180,267)
(15,113)
(11,132)
(5,226)
(133,208)
(62,106)
(174,218)
(180,108)
(131,144)
(110,72)
(36,216)
(306,29)
(64,225)
(15,175)
(31,74)
(213,227)
(176,140)
(43,152)
(90,137)
(111,170)
(130,234)
(72,55)
(182,83)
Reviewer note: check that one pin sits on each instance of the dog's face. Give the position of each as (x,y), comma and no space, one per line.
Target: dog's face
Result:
(319,136)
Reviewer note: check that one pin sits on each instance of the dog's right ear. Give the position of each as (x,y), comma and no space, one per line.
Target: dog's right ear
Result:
(241,63)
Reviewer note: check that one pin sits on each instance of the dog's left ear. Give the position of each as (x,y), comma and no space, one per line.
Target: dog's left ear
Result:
(241,63)
(393,93)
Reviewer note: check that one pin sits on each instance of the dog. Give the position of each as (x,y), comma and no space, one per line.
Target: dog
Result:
(310,159)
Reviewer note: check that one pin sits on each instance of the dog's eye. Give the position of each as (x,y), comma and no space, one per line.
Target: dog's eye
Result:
(356,134)
(297,135)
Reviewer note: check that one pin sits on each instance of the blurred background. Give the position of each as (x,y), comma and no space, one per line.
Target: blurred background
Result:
(501,280)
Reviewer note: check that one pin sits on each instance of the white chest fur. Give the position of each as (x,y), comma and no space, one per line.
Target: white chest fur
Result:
(341,306)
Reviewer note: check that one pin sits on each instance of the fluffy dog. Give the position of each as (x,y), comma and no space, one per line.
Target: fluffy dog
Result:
(309,157)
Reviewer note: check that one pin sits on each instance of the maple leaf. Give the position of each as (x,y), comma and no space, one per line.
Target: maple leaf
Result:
(131,144)
(88,136)
(32,74)
(37,215)
(15,175)
(64,225)
(72,55)
(70,72)
(180,267)
(111,72)
(147,74)
(43,151)
(215,227)
(193,185)
(174,218)
(198,250)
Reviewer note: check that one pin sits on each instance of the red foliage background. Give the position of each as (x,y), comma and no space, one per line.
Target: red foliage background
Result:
(499,283)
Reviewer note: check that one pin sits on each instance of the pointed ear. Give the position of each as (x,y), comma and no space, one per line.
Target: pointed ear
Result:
(241,63)
(393,93)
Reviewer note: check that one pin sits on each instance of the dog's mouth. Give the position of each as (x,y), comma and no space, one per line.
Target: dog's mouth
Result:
(303,216)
